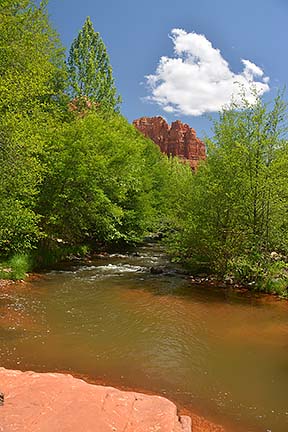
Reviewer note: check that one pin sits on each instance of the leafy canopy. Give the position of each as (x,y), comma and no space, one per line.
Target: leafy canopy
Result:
(236,214)
(31,83)
(89,70)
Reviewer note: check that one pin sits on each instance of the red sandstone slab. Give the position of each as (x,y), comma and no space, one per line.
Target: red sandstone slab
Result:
(49,402)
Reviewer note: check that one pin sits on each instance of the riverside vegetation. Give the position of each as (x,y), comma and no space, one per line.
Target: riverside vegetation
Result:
(75,176)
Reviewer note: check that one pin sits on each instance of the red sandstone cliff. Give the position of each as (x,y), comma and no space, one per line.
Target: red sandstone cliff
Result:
(175,140)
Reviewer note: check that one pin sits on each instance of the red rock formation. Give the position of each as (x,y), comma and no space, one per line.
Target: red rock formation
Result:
(51,402)
(175,140)
(81,106)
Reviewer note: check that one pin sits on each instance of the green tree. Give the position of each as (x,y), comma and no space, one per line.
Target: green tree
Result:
(237,213)
(32,70)
(99,182)
(244,152)
(31,83)
(89,70)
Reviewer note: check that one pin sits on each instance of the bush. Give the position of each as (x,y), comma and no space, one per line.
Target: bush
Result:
(261,272)
(15,268)
(275,278)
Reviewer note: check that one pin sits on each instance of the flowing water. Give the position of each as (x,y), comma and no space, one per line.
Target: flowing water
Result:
(216,352)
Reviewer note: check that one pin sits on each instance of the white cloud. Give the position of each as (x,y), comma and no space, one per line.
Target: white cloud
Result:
(199,80)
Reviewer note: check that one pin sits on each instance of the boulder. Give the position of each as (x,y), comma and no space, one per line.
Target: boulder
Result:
(52,402)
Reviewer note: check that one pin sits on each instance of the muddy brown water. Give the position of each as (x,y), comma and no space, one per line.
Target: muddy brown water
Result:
(219,353)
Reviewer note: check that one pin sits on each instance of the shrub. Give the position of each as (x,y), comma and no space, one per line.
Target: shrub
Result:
(15,268)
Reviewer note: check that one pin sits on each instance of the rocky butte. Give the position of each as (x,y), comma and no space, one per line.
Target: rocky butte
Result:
(179,139)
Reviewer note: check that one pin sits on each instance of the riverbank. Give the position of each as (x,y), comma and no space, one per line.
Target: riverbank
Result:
(236,287)
(202,280)
(164,266)
(4,283)
(9,283)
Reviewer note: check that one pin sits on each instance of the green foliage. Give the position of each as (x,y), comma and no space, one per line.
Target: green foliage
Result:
(31,84)
(261,272)
(98,182)
(15,268)
(31,58)
(52,251)
(18,228)
(237,213)
(89,70)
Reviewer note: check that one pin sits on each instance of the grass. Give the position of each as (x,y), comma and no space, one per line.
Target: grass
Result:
(15,268)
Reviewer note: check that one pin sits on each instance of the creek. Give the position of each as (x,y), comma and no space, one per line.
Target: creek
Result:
(217,352)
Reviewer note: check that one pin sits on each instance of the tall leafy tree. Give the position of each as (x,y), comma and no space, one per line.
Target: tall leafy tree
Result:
(31,57)
(89,69)
(99,183)
(31,78)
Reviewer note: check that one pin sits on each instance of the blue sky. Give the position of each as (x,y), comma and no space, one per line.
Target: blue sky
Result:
(204,43)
